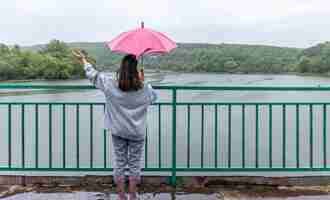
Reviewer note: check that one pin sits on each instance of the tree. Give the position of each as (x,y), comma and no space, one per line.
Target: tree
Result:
(230,65)
(6,71)
(304,64)
(56,49)
(54,61)
(16,49)
(4,49)
(56,69)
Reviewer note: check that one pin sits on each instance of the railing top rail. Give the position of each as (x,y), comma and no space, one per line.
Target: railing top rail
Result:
(183,87)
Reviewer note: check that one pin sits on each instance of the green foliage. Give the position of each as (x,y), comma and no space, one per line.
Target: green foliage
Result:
(187,57)
(230,58)
(54,61)
(4,50)
(315,59)
(56,49)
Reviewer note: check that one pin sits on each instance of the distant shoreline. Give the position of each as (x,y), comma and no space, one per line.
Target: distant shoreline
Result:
(17,81)
(179,72)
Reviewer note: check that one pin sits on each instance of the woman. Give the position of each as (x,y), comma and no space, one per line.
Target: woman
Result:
(127,100)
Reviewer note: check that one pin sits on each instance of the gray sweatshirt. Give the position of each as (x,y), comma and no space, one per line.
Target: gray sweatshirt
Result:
(126,112)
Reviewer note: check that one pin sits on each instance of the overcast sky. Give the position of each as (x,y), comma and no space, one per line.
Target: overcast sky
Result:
(297,23)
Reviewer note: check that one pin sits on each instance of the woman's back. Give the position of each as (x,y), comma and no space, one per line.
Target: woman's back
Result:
(126,111)
(127,99)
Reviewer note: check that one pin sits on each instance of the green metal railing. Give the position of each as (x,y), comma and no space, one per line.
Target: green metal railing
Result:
(219,115)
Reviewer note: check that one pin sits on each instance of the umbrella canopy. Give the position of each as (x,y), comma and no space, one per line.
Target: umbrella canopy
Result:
(141,41)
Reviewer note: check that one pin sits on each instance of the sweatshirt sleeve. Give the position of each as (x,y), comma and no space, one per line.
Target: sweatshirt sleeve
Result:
(98,79)
(152,94)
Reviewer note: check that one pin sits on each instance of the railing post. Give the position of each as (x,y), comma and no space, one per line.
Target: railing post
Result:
(174,101)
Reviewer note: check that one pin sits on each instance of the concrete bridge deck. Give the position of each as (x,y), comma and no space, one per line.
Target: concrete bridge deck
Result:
(239,192)
(191,188)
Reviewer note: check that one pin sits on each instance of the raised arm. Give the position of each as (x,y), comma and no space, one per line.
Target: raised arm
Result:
(98,79)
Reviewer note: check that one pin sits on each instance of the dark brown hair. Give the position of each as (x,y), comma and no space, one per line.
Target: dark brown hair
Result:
(128,75)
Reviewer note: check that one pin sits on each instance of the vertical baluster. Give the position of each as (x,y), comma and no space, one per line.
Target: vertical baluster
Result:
(311,134)
(284,136)
(104,144)
(64,135)
(202,137)
(325,139)
(159,137)
(91,135)
(174,104)
(37,135)
(50,136)
(104,148)
(188,137)
(215,135)
(23,134)
(257,136)
(77,136)
(9,135)
(146,149)
(229,136)
(270,117)
(297,137)
(243,136)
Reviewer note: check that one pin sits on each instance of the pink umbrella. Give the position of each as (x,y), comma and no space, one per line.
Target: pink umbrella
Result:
(141,41)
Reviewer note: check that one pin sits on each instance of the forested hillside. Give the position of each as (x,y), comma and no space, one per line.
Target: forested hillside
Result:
(207,58)
(54,61)
(230,58)
(98,51)
(51,61)
(315,59)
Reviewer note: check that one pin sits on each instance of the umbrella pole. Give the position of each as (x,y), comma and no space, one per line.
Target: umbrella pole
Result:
(142,69)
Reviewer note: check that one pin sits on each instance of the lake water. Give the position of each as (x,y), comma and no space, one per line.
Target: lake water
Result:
(209,159)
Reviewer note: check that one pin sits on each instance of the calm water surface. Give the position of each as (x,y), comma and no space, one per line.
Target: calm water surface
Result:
(196,151)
